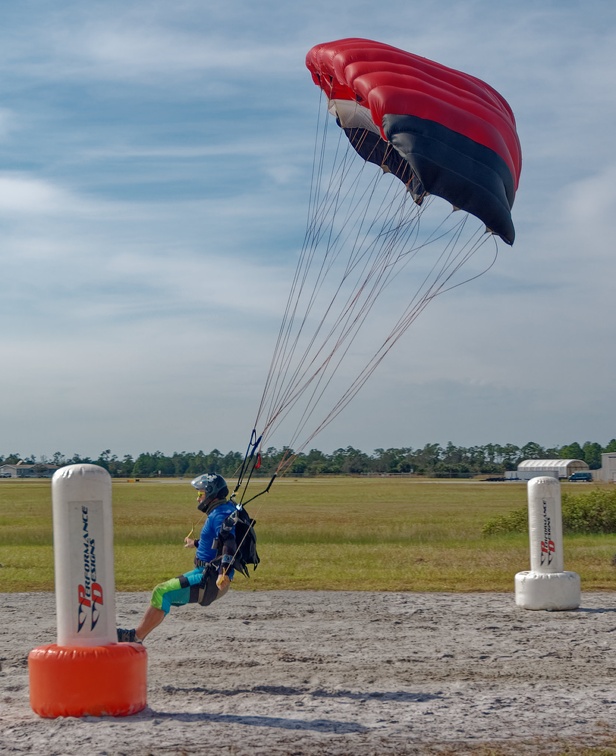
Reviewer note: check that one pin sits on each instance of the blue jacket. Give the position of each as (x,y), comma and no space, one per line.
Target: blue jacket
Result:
(210,530)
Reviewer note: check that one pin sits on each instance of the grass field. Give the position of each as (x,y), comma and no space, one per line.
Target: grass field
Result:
(386,534)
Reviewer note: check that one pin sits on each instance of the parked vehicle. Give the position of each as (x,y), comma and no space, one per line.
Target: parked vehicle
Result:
(579,477)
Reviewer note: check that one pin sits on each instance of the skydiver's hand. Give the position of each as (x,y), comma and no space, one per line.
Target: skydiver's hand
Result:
(222,583)
(189,543)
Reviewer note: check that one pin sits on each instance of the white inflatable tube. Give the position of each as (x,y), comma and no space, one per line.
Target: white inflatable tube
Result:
(546,585)
(83,556)
(86,673)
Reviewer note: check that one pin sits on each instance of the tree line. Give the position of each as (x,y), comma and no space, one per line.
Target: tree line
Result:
(432,460)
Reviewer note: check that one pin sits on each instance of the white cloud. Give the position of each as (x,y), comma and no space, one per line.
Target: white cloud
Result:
(26,195)
(153,192)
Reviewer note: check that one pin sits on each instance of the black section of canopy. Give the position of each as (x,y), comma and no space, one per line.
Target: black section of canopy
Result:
(452,166)
(376,150)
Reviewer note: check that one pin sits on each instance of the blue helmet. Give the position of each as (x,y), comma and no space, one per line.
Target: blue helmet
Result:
(213,485)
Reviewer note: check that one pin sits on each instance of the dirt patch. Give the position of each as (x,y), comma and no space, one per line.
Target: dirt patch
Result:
(287,672)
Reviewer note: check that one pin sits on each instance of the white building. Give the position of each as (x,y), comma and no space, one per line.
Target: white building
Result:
(555,468)
(607,473)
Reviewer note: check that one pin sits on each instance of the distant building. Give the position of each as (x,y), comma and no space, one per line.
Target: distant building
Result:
(555,468)
(23,470)
(607,473)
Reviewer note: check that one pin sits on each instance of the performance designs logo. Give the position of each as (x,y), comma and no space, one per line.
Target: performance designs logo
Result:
(90,593)
(547,544)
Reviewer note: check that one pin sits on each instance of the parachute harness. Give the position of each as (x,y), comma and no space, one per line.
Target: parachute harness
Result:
(252,460)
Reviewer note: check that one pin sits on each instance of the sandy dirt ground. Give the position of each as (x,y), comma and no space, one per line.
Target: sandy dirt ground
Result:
(287,672)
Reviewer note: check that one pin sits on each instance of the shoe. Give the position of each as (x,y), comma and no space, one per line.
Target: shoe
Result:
(127,636)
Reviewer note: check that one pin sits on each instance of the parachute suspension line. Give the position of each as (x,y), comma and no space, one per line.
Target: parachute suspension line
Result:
(287,398)
(251,461)
(317,166)
(349,333)
(346,321)
(318,284)
(283,354)
(362,227)
(410,315)
(293,382)
(365,374)
(322,383)
(280,362)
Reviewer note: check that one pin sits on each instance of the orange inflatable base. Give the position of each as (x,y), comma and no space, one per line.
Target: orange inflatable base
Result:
(79,681)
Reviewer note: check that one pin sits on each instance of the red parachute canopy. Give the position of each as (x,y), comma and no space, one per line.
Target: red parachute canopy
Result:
(439,130)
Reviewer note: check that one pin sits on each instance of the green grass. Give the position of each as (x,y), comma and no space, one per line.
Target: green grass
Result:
(392,534)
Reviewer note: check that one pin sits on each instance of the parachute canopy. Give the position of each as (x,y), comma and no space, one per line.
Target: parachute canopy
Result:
(440,131)
(381,245)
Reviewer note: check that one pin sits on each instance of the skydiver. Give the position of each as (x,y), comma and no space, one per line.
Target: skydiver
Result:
(208,581)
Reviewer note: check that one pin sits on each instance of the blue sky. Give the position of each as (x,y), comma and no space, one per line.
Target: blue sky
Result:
(155,162)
